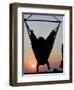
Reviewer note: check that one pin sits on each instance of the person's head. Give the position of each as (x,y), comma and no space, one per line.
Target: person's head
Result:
(41,39)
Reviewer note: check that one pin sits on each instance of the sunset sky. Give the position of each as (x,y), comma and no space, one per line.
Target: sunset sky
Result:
(42,29)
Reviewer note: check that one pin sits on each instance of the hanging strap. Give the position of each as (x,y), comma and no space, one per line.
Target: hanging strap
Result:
(28,29)
(38,20)
(42,20)
(27,26)
(57,28)
(56,18)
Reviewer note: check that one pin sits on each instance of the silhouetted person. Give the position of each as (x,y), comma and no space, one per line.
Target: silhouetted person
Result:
(42,47)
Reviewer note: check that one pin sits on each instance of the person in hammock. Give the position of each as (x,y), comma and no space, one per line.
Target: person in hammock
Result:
(42,47)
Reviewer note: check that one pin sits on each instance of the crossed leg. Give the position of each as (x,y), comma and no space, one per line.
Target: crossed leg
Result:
(37,67)
(48,65)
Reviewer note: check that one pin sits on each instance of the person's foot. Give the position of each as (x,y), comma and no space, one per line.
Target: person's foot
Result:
(50,70)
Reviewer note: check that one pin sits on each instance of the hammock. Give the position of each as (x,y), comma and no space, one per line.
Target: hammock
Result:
(42,48)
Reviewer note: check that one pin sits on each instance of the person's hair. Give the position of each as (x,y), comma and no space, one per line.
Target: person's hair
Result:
(40,38)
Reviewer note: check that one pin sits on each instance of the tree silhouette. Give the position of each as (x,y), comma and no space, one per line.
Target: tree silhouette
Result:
(61,65)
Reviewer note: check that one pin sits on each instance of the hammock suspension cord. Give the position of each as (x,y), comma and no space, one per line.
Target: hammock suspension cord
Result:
(27,19)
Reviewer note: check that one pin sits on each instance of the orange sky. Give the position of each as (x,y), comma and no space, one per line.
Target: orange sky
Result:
(30,60)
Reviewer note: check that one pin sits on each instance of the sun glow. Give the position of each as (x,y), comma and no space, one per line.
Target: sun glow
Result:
(33,66)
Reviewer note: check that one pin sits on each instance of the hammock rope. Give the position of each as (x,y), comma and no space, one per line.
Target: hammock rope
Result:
(28,28)
(27,19)
(43,20)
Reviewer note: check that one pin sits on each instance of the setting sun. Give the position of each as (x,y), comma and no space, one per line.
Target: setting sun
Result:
(33,66)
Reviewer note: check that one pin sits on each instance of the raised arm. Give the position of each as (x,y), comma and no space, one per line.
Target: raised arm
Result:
(30,32)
